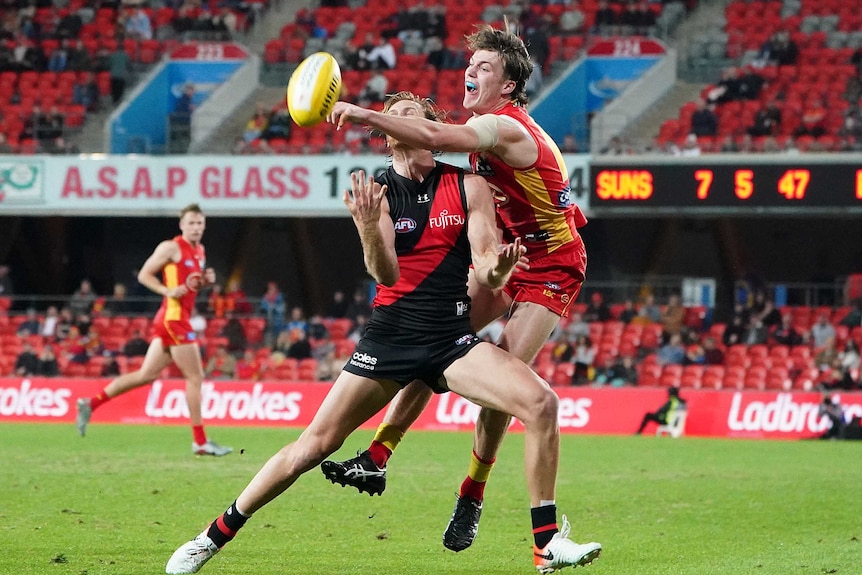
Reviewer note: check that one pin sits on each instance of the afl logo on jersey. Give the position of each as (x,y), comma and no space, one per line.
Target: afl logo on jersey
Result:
(194,281)
(405,225)
(189,263)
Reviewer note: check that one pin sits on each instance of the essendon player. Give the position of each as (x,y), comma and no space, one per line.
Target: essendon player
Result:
(420,231)
(530,183)
(176,270)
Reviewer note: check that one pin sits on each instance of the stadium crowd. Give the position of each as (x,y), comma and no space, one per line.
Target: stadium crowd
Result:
(644,342)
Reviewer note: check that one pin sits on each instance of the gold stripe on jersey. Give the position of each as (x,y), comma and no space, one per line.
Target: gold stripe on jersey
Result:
(549,217)
(173,311)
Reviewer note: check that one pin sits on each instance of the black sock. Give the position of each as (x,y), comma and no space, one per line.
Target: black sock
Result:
(544,524)
(225,527)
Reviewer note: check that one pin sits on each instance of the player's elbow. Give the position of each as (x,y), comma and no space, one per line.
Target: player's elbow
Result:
(388,279)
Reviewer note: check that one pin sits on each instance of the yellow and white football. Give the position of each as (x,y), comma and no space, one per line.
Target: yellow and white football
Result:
(313,89)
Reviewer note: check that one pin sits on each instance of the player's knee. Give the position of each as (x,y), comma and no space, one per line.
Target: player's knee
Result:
(546,405)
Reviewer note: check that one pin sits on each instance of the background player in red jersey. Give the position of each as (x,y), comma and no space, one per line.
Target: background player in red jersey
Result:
(530,182)
(181,263)
(419,233)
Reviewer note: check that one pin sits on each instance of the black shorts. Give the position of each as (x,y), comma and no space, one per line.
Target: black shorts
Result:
(378,359)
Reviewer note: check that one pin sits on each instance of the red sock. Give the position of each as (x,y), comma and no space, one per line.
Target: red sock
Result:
(99,399)
(379,454)
(199,434)
(473,488)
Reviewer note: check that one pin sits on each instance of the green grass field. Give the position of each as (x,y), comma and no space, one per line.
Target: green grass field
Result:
(121,500)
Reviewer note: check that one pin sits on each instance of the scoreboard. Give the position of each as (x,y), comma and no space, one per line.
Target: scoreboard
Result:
(728,183)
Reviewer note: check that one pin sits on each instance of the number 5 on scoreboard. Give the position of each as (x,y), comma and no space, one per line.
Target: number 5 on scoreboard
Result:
(704,178)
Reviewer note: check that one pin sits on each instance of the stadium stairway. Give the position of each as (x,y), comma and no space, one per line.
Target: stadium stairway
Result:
(221,141)
(643,130)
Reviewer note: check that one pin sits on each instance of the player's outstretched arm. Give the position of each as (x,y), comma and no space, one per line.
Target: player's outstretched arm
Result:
(367,203)
(417,132)
(492,263)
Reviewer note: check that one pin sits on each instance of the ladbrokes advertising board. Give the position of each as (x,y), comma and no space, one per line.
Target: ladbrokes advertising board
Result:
(582,410)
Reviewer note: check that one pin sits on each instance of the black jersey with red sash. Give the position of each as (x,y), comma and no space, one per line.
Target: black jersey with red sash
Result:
(434,255)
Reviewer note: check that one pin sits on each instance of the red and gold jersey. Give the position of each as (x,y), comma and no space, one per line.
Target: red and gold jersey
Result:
(533,203)
(189,271)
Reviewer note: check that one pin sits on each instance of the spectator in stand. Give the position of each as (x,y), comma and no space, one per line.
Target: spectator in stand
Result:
(338,305)
(86,93)
(358,328)
(27,362)
(695,354)
(650,309)
(727,88)
(383,56)
(317,330)
(59,57)
(221,365)
(279,125)
(712,354)
(297,323)
(826,357)
(764,309)
(629,312)
(358,59)
(849,360)
(358,306)
(30,325)
(704,121)
(690,148)
(597,309)
(216,302)
(779,50)
(272,307)
(569,145)
(572,20)
(82,299)
(120,69)
(616,147)
(813,119)
(728,144)
(644,18)
(853,87)
(110,367)
(785,333)
(136,345)
(605,19)
(756,333)
(65,323)
(237,341)
(237,301)
(75,346)
(79,57)
(138,25)
(854,316)
(734,333)
(621,372)
(117,304)
(184,106)
(767,120)
(300,347)
(248,367)
(673,318)
(69,26)
(584,357)
(672,352)
(375,89)
(256,125)
(577,326)
(821,331)
(48,327)
(48,366)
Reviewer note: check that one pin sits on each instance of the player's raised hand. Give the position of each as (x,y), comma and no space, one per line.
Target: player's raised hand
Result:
(343,112)
(364,198)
